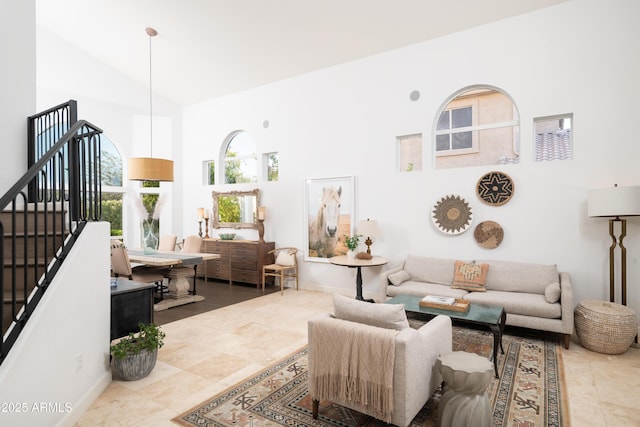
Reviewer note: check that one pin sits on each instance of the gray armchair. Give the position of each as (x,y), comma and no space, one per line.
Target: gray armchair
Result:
(357,328)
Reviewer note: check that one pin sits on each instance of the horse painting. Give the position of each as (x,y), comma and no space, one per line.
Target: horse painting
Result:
(323,229)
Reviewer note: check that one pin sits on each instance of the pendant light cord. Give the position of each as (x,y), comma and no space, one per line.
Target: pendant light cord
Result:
(150,99)
(152,33)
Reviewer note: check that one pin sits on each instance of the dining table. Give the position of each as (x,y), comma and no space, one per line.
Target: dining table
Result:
(179,268)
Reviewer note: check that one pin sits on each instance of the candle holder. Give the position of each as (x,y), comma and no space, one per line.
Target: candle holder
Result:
(206,228)
(200,227)
(261,230)
(262,214)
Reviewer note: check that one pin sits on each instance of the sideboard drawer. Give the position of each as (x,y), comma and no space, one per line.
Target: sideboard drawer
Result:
(240,260)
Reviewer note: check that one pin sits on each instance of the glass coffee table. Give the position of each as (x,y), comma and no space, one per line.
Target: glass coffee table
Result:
(491,316)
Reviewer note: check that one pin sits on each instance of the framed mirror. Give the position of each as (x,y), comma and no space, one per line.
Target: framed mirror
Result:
(235,209)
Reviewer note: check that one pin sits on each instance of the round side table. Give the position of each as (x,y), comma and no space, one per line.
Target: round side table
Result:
(464,401)
(605,327)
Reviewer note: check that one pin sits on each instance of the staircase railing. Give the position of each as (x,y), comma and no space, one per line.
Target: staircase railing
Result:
(42,216)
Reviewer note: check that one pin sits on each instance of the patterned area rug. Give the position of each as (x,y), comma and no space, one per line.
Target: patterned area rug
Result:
(529,392)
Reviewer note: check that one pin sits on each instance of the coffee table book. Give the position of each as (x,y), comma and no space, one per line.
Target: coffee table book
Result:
(458,305)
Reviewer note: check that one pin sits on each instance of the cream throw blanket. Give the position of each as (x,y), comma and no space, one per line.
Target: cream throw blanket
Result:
(353,362)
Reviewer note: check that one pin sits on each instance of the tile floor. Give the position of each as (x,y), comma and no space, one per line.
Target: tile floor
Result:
(207,353)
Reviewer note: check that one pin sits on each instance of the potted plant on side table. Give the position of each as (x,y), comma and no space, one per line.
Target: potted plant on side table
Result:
(134,356)
(352,244)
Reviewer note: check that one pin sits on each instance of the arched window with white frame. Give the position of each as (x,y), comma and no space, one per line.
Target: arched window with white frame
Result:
(239,159)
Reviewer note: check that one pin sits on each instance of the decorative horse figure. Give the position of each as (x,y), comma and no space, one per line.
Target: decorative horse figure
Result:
(323,229)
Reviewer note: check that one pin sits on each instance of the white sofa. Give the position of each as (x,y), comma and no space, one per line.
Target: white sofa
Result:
(347,341)
(534,296)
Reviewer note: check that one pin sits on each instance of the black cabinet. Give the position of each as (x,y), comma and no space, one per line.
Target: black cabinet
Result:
(131,304)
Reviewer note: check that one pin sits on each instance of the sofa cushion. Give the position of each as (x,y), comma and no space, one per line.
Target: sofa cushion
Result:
(430,270)
(285,259)
(398,277)
(388,316)
(422,289)
(525,304)
(552,293)
(519,276)
(470,276)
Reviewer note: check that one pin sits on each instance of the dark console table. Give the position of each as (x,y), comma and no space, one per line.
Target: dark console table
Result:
(131,304)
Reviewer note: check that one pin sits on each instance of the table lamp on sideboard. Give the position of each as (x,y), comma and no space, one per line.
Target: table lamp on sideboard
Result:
(615,202)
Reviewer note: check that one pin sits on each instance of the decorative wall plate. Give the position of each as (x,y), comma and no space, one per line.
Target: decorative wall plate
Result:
(495,188)
(452,215)
(488,234)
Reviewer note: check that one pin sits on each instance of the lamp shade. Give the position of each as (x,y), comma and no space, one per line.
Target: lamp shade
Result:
(150,169)
(614,201)
(368,228)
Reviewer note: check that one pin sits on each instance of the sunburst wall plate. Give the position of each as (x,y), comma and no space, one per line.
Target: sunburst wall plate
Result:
(452,215)
(495,188)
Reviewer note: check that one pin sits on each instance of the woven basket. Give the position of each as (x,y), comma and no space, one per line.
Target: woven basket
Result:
(605,327)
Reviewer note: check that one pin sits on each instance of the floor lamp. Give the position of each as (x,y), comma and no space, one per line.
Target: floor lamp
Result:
(615,202)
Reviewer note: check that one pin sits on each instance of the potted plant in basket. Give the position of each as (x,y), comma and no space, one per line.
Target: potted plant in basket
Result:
(134,356)
(352,244)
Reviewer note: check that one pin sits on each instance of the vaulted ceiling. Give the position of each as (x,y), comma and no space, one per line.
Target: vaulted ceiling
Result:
(210,48)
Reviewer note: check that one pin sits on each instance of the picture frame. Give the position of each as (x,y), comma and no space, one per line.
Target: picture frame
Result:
(329,216)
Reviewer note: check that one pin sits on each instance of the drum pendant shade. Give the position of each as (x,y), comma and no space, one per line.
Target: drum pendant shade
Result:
(150,169)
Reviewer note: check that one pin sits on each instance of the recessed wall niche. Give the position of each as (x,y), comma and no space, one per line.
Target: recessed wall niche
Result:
(553,137)
(477,125)
(409,149)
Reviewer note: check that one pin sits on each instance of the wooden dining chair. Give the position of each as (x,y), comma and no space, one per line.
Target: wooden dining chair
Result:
(285,265)
(121,267)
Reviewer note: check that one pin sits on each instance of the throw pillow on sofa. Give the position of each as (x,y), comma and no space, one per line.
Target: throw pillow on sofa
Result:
(399,277)
(552,293)
(470,276)
(388,316)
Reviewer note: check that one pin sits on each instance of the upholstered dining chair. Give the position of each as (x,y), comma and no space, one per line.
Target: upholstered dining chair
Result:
(168,242)
(192,244)
(285,265)
(121,267)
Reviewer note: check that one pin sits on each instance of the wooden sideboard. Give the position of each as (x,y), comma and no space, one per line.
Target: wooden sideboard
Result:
(240,260)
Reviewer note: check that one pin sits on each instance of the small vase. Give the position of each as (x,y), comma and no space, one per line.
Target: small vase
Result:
(351,255)
(150,236)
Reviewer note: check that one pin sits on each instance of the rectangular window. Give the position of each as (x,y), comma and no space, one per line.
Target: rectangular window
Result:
(209,172)
(553,138)
(112,211)
(271,169)
(409,149)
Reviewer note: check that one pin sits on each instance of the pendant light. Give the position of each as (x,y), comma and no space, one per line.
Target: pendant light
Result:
(150,168)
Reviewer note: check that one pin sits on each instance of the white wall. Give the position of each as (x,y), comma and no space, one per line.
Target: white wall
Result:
(17,85)
(579,57)
(61,359)
(120,107)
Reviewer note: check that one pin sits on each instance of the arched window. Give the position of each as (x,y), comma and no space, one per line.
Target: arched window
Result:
(478,125)
(239,160)
(112,190)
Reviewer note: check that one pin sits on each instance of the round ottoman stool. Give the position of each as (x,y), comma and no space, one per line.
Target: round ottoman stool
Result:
(464,401)
(605,327)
